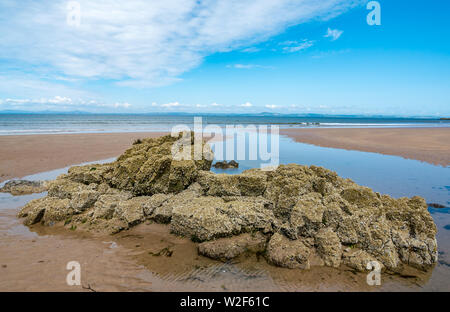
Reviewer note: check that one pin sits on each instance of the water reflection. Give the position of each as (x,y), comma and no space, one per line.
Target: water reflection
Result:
(390,175)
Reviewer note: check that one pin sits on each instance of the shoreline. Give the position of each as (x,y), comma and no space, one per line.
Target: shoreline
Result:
(24,155)
(429,145)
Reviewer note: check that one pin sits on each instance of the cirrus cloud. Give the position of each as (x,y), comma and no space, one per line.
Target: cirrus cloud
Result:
(294,46)
(143,43)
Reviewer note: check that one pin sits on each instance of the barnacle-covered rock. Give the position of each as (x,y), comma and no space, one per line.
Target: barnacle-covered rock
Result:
(307,215)
(23,187)
(231,247)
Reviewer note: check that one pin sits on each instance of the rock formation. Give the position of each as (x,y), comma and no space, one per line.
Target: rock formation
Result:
(23,187)
(296,216)
(226,165)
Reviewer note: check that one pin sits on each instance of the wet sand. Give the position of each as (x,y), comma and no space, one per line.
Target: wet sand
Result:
(148,257)
(35,259)
(430,145)
(23,155)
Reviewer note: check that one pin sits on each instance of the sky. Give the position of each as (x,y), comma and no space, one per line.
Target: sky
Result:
(244,56)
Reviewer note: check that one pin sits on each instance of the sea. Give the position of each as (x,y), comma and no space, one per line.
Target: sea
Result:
(17,124)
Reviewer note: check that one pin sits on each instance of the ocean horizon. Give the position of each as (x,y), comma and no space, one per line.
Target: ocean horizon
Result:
(52,123)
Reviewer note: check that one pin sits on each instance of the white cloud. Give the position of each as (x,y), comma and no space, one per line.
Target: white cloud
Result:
(144,43)
(170,105)
(294,46)
(242,66)
(60,99)
(55,100)
(215,104)
(31,87)
(247,66)
(247,104)
(17,101)
(272,106)
(59,103)
(124,105)
(118,105)
(251,50)
(334,34)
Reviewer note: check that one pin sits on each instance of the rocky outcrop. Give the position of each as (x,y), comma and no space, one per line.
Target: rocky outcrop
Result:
(47,210)
(149,167)
(226,165)
(23,187)
(297,216)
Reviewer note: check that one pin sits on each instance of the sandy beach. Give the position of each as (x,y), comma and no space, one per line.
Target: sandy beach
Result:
(127,261)
(124,262)
(425,144)
(29,154)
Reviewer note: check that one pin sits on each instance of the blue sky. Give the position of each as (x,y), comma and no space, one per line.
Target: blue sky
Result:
(285,56)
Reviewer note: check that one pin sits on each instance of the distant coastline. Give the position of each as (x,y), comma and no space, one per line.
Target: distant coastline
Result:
(262,114)
(78,122)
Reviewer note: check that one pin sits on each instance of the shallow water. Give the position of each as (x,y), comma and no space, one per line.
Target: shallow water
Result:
(386,174)
(122,262)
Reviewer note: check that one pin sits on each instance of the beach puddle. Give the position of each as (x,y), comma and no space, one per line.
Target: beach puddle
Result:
(148,258)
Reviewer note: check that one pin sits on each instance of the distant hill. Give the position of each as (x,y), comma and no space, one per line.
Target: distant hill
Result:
(263,114)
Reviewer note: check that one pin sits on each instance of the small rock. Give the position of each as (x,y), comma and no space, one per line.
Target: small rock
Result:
(23,187)
(357,259)
(231,247)
(435,205)
(329,247)
(166,252)
(283,252)
(226,165)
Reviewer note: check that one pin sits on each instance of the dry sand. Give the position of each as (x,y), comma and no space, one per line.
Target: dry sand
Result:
(431,145)
(23,155)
